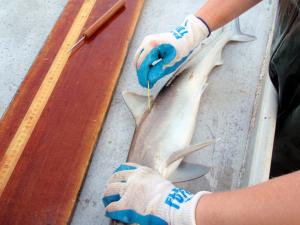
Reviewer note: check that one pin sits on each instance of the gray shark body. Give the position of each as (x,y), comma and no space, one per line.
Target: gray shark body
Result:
(164,132)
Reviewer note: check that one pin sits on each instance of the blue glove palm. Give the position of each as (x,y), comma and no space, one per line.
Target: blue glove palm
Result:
(165,53)
(137,194)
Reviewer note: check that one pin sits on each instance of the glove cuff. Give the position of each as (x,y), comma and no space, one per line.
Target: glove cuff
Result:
(200,24)
(187,215)
(203,21)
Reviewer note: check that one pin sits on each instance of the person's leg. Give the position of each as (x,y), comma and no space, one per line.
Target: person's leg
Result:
(286,152)
(285,74)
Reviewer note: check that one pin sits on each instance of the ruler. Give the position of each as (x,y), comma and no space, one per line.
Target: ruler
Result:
(21,137)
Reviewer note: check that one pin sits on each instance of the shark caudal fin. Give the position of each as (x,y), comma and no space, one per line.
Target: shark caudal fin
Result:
(137,104)
(238,35)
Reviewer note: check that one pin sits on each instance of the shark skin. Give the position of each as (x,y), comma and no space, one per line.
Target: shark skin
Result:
(164,132)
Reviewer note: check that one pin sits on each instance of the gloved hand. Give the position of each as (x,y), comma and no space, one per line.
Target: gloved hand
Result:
(137,194)
(165,53)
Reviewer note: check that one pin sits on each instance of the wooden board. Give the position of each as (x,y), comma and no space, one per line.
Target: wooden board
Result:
(46,179)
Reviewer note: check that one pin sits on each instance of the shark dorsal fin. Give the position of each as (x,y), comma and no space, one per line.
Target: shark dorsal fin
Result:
(180,154)
(137,104)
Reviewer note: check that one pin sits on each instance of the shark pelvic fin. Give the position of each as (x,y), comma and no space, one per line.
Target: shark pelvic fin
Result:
(180,154)
(219,61)
(239,35)
(137,104)
(188,171)
(243,38)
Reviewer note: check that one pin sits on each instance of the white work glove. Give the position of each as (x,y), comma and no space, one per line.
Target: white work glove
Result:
(163,54)
(137,194)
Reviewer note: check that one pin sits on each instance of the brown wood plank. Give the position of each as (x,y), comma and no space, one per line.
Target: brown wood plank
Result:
(46,181)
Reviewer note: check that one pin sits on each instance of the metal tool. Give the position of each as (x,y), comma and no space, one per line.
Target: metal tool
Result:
(102,20)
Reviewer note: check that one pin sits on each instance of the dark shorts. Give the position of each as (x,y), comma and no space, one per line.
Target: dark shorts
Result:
(285,75)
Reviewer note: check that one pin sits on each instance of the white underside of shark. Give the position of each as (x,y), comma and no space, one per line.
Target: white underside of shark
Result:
(163,133)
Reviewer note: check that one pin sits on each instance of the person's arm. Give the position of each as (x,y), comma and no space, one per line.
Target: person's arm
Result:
(165,53)
(137,194)
(275,202)
(216,13)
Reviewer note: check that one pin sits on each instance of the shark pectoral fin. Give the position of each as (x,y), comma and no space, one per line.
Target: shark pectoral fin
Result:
(180,154)
(137,104)
(188,171)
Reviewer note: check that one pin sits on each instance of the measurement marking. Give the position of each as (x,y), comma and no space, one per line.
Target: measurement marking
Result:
(19,141)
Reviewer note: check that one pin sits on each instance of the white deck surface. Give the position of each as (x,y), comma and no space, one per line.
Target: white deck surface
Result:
(227,108)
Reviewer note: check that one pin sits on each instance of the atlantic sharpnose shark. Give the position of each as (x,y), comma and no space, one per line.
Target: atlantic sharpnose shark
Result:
(163,133)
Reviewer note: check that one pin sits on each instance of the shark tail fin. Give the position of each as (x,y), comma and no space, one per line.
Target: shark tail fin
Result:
(238,35)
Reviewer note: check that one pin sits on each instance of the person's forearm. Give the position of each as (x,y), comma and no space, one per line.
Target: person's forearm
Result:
(217,13)
(275,202)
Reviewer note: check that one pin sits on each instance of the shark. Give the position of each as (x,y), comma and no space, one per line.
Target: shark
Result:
(163,134)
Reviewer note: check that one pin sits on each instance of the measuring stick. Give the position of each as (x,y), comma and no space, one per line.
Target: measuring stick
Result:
(19,141)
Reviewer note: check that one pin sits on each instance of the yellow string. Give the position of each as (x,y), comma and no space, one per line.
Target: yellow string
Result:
(149,96)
